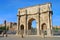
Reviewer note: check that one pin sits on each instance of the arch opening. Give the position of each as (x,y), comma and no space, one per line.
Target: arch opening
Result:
(32,27)
(22,29)
(44,28)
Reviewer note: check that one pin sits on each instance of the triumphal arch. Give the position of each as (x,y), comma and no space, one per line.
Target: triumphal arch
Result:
(41,13)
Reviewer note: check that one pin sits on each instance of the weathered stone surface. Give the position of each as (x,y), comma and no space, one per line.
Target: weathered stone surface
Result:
(40,13)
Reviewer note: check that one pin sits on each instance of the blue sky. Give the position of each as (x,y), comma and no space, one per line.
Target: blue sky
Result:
(9,9)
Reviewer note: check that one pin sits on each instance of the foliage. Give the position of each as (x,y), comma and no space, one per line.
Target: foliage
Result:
(56,29)
(4,28)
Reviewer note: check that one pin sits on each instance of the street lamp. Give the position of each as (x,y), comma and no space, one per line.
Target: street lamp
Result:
(5,28)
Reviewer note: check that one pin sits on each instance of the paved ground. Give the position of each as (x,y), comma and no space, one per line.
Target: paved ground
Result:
(28,38)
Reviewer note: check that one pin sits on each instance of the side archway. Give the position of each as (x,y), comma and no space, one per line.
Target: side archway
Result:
(22,29)
(44,28)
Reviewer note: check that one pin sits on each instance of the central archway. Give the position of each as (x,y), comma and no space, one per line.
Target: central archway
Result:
(32,29)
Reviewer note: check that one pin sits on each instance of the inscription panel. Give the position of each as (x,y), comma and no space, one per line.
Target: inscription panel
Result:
(32,10)
(44,8)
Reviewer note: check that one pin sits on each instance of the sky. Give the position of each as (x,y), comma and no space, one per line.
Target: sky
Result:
(9,9)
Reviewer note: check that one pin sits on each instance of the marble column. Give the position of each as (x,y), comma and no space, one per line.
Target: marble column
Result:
(38,28)
(17,27)
(48,26)
(18,23)
(25,28)
(38,22)
(51,23)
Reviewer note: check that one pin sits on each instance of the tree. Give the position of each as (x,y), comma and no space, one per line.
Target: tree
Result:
(3,28)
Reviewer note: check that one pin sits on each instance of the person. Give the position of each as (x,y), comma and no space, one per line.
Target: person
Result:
(22,35)
(6,34)
(3,34)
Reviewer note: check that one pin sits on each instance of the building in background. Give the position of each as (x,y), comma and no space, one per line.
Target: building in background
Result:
(11,25)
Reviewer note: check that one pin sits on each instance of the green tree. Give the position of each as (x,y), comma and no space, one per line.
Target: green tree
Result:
(4,28)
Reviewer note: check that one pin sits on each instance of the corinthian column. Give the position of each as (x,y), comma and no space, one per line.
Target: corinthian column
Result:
(49,27)
(18,23)
(25,28)
(38,22)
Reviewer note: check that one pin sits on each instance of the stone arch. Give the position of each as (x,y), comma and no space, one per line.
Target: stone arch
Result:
(44,28)
(22,27)
(27,15)
(32,31)
(30,23)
